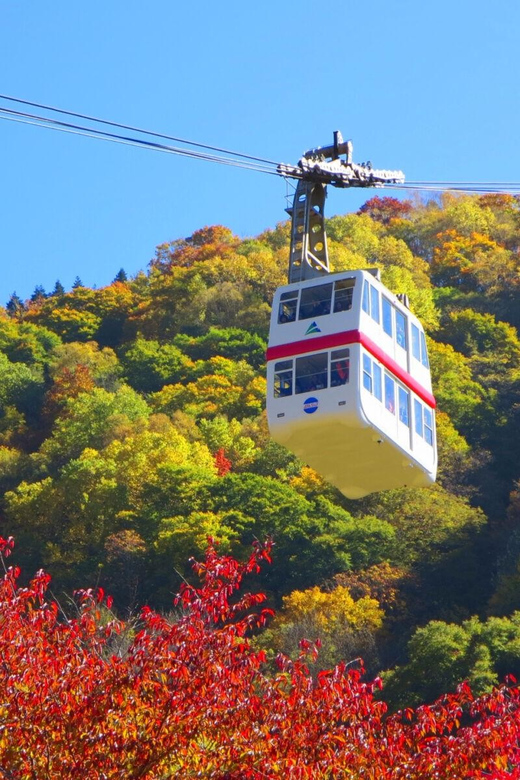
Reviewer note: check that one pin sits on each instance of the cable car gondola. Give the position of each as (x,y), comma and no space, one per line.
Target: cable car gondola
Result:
(349,386)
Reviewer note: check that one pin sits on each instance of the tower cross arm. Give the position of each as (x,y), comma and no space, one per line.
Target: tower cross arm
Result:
(315,170)
(326,165)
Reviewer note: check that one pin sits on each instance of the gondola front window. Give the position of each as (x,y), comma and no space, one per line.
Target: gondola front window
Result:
(311,373)
(283,378)
(287,308)
(315,301)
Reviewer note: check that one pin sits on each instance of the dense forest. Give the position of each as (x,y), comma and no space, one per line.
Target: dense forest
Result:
(132,428)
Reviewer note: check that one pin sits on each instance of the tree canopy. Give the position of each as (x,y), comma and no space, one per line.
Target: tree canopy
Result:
(132,427)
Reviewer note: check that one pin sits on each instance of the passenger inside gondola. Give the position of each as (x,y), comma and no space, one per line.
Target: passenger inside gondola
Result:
(311,373)
(343,291)
(315,301)
(339,367)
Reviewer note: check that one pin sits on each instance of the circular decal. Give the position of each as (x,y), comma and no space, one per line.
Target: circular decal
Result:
(310,405)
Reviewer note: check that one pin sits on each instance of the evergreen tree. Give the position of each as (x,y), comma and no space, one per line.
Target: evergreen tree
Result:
(121,276)
(15,306)
(59,289)
(77,283)
(39,294)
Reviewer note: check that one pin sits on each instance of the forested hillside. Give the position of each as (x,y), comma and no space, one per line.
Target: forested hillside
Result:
(133,427)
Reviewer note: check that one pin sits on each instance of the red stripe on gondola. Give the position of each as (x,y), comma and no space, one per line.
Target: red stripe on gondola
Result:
(343,339)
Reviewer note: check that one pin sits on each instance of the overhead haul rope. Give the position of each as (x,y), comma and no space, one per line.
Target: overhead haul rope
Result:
(137,129)
(67,127)
(233,158)
(505,188)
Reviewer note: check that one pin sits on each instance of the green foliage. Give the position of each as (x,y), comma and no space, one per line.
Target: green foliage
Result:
(474,334)
(148,365)
(427,522)
(231,343)
(231,436)
(21,386)
(102,364)
(84,314)
(23,342)
(360,234)
(458,394)
(116,405)
(309,541)
(93,420)
(441,655)
(223,387)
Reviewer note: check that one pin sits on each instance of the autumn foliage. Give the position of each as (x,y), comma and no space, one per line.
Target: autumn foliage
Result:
(132,427)
(189,697)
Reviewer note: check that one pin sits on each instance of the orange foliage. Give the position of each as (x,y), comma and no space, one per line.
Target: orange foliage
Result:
(204,244)
(68,384)
(80,698)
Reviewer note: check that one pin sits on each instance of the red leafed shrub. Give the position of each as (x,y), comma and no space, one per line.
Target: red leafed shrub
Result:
(192,698)
(222,463)
(386,209)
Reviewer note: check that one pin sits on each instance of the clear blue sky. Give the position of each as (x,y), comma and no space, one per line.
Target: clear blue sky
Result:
(432,88)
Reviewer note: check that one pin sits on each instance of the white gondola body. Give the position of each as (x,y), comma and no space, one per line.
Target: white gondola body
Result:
(349,386)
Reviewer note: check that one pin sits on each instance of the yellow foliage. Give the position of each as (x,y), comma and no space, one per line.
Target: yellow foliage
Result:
(181,537)
(331,611)
(308,481)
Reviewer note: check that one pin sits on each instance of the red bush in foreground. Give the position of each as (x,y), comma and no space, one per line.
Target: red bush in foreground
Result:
(192,699)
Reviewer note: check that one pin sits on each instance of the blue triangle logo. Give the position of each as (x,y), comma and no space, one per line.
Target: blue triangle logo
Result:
(313,328)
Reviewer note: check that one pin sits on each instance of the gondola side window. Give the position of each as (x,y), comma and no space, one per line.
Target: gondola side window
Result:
(389,394)
(400,329)
(311,373)
(428,426)
(416,342)
(365,301)
(374,304)
(315,301)
(419,346)
(424,352)
(283,378)
(343,291)
(339,367)
(418,415)
(367,373)
(370,301)
(372,376)
(423,422)
(378,387)
(288,305)
(387,317)
(404,406)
